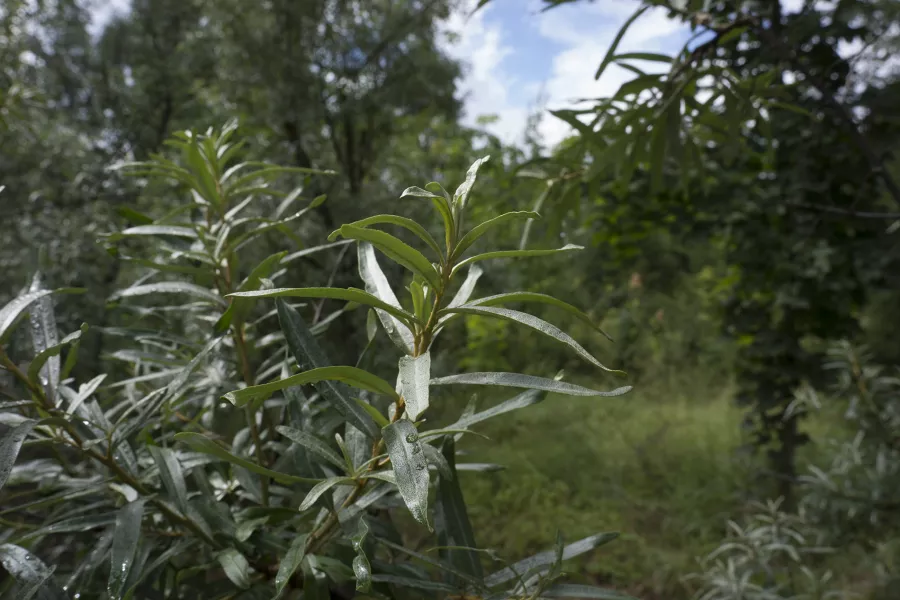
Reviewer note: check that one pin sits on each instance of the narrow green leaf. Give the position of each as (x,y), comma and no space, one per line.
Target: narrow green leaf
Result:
(313,250)
(362,571)
(440,564)
(585,592)
(31,572)
(651,56)
(514,254)
(124,546)
(436,460)
(461,196)
(239,307)
(43,356)
(410,467)
(351,375)
(181,379)
(169,287)
(10,313)
(468,286)
(526,381)
(349,295)
(141,230)
(171,475)
(10,446)
(522,400)
(416,584)
(546,558)
(404,222)
(207,446)
(501,299)
(246,528)
(290,562)
(313,444)
(397,250)
(378,285)
(320,488)
(371,324)
(479,230)
(415,373)
(452,519)
(309,356)
(535,323)
(236,567)
(610,54)
(379,418)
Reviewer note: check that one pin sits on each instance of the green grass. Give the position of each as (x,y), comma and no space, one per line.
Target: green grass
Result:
(660,467)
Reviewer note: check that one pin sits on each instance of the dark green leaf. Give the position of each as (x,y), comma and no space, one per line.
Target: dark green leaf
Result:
(452,519)
(410,467)
(207,446)
(313,444)
(44,355)
(237,569)
(525,381)
(290,562)
(320,488)
(610,54)
(181,379)
(479,230)
(396,250)
(351,375)
(171,475)
(309,355)
(404,222)
(124,546)
(349,295)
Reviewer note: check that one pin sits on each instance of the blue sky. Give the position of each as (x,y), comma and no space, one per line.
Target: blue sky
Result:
(514,52)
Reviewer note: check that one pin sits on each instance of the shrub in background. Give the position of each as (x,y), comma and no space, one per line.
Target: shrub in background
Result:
(150,486)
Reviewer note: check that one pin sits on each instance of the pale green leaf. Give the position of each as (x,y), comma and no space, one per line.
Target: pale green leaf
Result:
(10,446)
(378,285)
(415,373)
(14,309)
(320,488)
(124,546)
(546,558)
(515,254)
(535,323)
(534,297)
(170,287)
(526,381)
(461,196)
(410,467)
(31,572)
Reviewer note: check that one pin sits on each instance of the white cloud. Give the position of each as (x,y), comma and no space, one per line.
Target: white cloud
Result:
(486,84)
(579,34)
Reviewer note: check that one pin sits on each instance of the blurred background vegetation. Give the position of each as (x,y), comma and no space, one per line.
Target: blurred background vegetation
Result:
(738,203)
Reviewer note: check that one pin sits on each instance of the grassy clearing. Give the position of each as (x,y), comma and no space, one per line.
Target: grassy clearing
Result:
(659,467)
